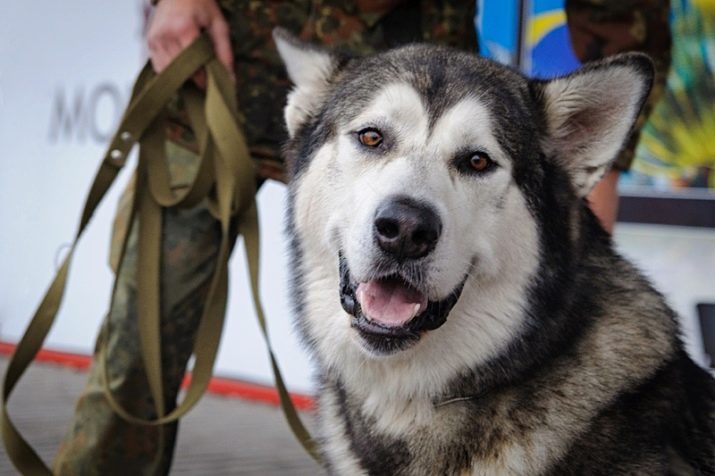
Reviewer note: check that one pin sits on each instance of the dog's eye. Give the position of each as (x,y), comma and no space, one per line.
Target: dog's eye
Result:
(480,162)
(474,163)
(370,137)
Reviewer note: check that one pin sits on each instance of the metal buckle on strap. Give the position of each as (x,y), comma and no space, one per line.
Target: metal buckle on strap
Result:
(120,148)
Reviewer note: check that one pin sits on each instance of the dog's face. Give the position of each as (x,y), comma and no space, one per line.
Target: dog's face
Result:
(418,179)
(415,185)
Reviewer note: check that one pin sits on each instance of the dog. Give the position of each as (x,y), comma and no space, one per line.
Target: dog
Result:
(466,311)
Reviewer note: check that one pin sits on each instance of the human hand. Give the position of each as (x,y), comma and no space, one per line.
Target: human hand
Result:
(177,23)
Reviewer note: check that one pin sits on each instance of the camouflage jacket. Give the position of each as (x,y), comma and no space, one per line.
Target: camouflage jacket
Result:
(361,27)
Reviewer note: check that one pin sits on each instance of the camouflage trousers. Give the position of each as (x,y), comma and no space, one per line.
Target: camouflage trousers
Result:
(100,442)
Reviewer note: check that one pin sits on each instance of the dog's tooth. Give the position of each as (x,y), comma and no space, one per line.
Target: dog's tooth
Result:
(416,310)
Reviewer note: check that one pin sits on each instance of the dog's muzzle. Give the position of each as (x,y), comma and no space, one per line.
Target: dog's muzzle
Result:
(389,313)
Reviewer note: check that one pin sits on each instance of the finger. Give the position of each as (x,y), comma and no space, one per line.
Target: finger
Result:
(185,39)
(218,30)
(186,33)
(159,56)
(170,49)
(199,78)
(156,35)
(156,51)
(163,49)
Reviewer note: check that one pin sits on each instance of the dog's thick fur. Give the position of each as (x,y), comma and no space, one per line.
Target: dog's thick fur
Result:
(536,348)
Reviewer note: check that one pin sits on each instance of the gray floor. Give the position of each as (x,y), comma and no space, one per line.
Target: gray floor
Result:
(220,436)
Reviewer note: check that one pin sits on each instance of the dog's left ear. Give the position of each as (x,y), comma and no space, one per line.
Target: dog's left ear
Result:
(310,68)
(590,113)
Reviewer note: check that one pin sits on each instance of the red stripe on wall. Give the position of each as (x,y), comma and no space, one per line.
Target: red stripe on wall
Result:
(66,359)
(218,385)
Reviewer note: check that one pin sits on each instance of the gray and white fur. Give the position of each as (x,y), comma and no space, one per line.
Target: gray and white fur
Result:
(534,347)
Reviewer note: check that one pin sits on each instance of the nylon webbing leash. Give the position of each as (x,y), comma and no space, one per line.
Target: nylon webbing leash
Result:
(226,178)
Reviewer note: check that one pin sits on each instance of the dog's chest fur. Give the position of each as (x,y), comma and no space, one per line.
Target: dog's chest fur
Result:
(514,431)
(467,437)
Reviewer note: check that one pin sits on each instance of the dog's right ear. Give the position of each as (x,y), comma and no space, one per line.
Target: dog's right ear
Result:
(590,113)
(310,69)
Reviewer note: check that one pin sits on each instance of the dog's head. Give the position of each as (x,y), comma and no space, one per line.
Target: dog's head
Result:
(421,179)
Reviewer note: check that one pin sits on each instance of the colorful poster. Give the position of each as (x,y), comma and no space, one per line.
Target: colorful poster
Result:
(529,34)
(677,148)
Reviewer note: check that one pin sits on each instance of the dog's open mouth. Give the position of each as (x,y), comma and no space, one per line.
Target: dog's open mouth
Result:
(389,313)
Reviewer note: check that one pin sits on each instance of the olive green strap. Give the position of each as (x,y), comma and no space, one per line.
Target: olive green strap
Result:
(249,230)
(221,137)
(227,171)
(211,322)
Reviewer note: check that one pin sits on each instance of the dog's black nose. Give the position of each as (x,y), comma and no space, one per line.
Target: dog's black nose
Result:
(406,228)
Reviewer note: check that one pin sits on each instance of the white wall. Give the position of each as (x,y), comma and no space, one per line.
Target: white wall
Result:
(73,60)
(680,261)
(78,58)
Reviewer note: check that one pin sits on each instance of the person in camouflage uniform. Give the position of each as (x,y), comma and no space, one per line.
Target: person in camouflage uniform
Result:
(101,442)
(599,28)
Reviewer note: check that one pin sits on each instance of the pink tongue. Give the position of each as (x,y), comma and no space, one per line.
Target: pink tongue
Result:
(389,302)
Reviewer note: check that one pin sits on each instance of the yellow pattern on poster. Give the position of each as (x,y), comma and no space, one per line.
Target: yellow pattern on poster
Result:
(706,6)
(543,24)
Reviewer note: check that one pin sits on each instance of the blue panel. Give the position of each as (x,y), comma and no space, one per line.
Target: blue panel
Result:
(553,56)
(498,29)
